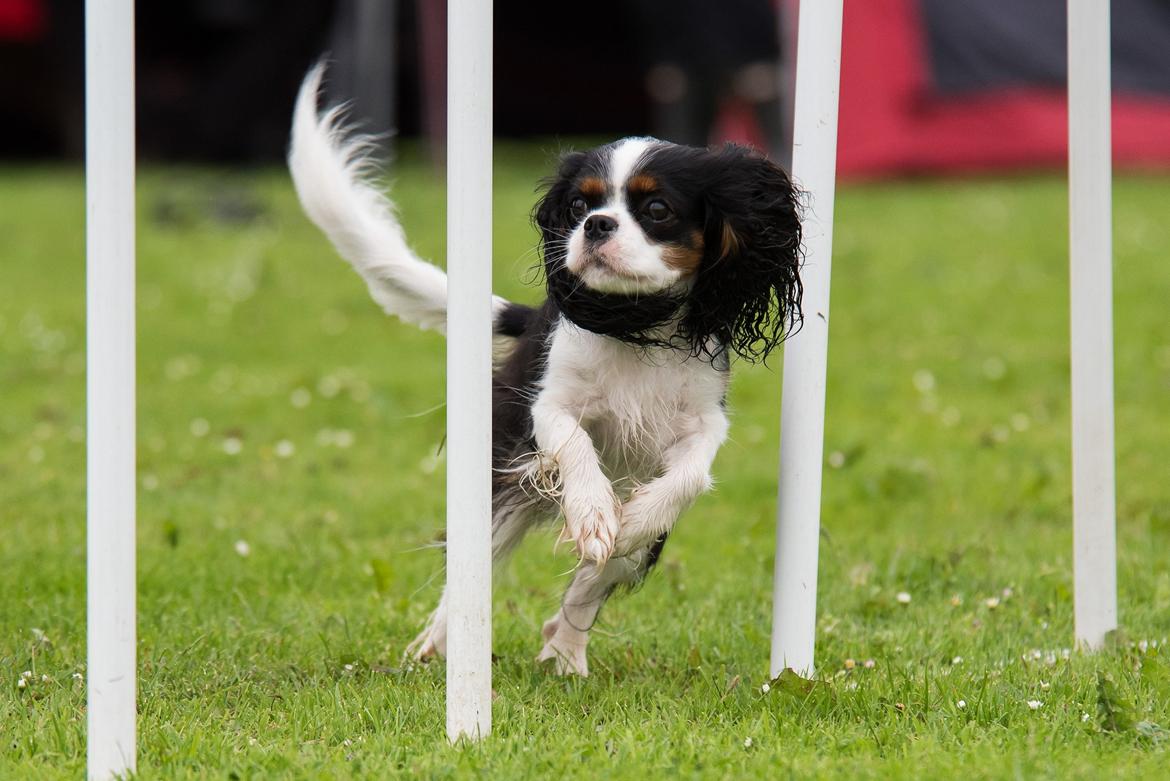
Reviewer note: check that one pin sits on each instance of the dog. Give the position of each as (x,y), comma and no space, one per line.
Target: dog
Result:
(663,264)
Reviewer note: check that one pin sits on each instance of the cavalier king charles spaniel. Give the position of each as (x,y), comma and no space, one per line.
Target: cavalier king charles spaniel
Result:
(663,263)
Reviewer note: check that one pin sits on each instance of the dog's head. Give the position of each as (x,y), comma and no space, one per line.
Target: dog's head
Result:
(656,243)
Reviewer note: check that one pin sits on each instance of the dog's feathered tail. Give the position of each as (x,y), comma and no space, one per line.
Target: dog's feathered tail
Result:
(329,167)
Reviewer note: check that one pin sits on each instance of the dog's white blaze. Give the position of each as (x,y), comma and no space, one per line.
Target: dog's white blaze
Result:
(622,162)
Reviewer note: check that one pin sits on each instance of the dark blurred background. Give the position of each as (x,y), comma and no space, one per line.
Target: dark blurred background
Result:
(928,86)
(216,78)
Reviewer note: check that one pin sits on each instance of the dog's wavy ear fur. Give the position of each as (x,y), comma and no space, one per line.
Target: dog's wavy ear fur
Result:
(747,291)
(551,214)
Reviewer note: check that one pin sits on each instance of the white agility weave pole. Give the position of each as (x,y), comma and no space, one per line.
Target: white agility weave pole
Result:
(1091,307)
(469,368)
(110,387)
(802,411)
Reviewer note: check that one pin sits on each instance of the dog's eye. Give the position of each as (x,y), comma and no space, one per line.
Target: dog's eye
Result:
(658,211)
(577,208)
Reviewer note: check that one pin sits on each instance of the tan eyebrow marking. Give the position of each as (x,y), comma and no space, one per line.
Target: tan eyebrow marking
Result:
(592,187)
(642,184)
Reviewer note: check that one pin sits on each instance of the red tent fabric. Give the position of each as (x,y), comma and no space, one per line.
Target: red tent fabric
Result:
(894,121)
(21,20)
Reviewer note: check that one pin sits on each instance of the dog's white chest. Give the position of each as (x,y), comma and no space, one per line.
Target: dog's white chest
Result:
(633,403)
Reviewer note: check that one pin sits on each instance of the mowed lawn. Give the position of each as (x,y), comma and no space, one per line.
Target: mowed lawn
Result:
(291,492)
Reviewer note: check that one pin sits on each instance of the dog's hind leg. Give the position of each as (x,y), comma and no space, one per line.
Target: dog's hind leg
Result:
(509,523)
(566,634)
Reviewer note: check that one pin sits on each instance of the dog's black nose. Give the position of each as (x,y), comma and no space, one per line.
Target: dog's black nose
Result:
(598,227)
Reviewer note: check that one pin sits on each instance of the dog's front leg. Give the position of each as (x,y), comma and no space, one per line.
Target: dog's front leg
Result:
(587,497)
(652,509)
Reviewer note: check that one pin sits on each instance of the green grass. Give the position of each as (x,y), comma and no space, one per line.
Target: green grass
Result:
(948,480)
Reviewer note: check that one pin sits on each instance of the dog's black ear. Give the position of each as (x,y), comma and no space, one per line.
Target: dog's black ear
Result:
(746,294)
(551,214)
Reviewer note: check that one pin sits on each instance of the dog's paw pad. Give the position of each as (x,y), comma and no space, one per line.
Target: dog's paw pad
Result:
(428,645)
(567,658)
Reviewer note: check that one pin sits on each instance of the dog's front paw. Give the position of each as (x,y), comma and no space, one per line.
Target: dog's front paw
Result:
(431,642)
(565,646)
(644,519)
(592,523)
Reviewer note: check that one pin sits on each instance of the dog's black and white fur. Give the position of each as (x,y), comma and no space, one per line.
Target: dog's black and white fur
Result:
(662,263)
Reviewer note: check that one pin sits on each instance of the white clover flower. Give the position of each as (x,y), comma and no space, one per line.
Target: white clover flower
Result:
(199,427)
(1035,704)
(1045,685)
(243,548)
(343,438)
(22,683)
(765,688)
(1085,717)
(300,398)
(991,602)
(747,742)
(285,449)
(961,705)
(329,386)
(994,368)
(233,446)
(869,664)
(903,597)
(957,660)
